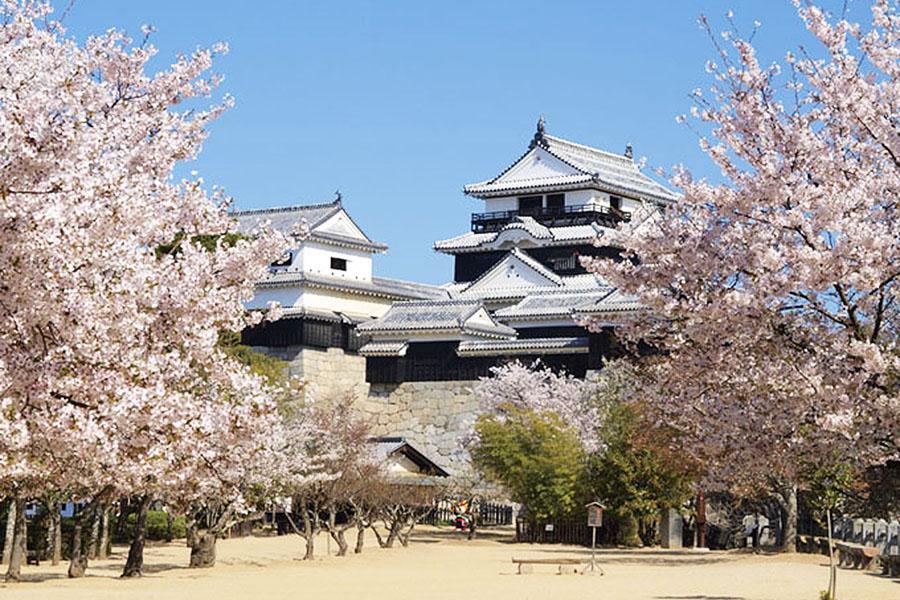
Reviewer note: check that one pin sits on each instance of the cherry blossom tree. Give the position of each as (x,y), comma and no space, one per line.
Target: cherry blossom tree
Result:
(772,297)
(538,388)
(112,296)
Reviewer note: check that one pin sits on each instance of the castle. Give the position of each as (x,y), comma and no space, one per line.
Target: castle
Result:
(409,352)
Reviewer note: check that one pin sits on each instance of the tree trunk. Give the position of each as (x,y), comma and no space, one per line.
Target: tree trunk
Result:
(404,536)
(95,535)
(170,525)
(360,539)
(203,549)
(78,561)
(122,518)
(103,550)
(381,542)
(135,562)
(309,534)
(339,537)
(19,544)
(787,498)
(54,532)
(10,528)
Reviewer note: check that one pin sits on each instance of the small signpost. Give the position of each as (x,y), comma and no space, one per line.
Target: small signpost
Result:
(595,520)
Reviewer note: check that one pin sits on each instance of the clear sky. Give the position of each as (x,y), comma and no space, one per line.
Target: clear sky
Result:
(399,104)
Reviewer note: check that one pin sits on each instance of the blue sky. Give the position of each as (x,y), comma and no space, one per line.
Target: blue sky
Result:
(399,104)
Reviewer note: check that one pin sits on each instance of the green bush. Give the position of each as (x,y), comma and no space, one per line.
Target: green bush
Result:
(157,525)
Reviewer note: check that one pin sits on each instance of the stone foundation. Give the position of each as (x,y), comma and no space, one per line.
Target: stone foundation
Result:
(332,371)
(433,415)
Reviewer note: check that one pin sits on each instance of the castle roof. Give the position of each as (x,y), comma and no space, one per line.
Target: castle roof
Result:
(437,318)
(327,223)
(527,227)
(555,164)
(396,289)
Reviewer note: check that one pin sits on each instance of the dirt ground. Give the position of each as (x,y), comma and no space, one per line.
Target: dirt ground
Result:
(440,565)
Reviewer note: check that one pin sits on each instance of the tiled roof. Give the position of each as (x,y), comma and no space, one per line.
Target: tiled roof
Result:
(379,286)
(436,317)
(389,348)
(386,447)
(594,168)
(559,345)
(323,315)
(573,234)
(616,302)
(548,304)
(285,220)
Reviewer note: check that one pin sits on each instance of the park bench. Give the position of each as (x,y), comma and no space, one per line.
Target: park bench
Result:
(31,558)
(856,555)
(560,562)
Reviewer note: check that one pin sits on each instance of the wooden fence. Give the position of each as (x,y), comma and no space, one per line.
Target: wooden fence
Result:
(559,531)
(489,514)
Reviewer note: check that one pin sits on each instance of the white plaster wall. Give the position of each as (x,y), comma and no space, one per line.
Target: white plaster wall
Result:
(315,259)
(328,300)
(286,297)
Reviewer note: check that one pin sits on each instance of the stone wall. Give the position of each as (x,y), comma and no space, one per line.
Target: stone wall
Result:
(333,372)
(433,415)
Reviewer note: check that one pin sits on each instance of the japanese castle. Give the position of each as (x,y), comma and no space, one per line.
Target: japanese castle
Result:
(519,289)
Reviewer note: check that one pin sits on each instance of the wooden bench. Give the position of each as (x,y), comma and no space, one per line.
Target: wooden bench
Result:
(560,562)
(31,558)
(856,555)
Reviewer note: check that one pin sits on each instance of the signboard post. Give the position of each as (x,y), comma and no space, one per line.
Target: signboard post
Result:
(595,520)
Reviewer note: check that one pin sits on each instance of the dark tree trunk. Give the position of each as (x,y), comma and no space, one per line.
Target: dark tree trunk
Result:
(78,561)
(94,540)
(122,518)
(135,563)
(54,532)
(170,525)
(787,499)
(203,549)
(339,537)
(360,539)
(381,541)
(19,543)
(10,529)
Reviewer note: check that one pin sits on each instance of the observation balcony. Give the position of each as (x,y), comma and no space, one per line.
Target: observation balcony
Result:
(563,216)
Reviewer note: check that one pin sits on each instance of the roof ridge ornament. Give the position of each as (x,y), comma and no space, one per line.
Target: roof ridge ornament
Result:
(338,197)
(629,151)
(539,139)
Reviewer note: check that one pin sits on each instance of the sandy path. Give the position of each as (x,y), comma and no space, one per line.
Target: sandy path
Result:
(436,565)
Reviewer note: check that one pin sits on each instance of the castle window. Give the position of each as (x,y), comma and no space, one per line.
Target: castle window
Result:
(556,202)
(338,264)
(615,202)
(530,205)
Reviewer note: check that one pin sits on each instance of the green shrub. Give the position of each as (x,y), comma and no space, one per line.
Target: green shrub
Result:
(157,526)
